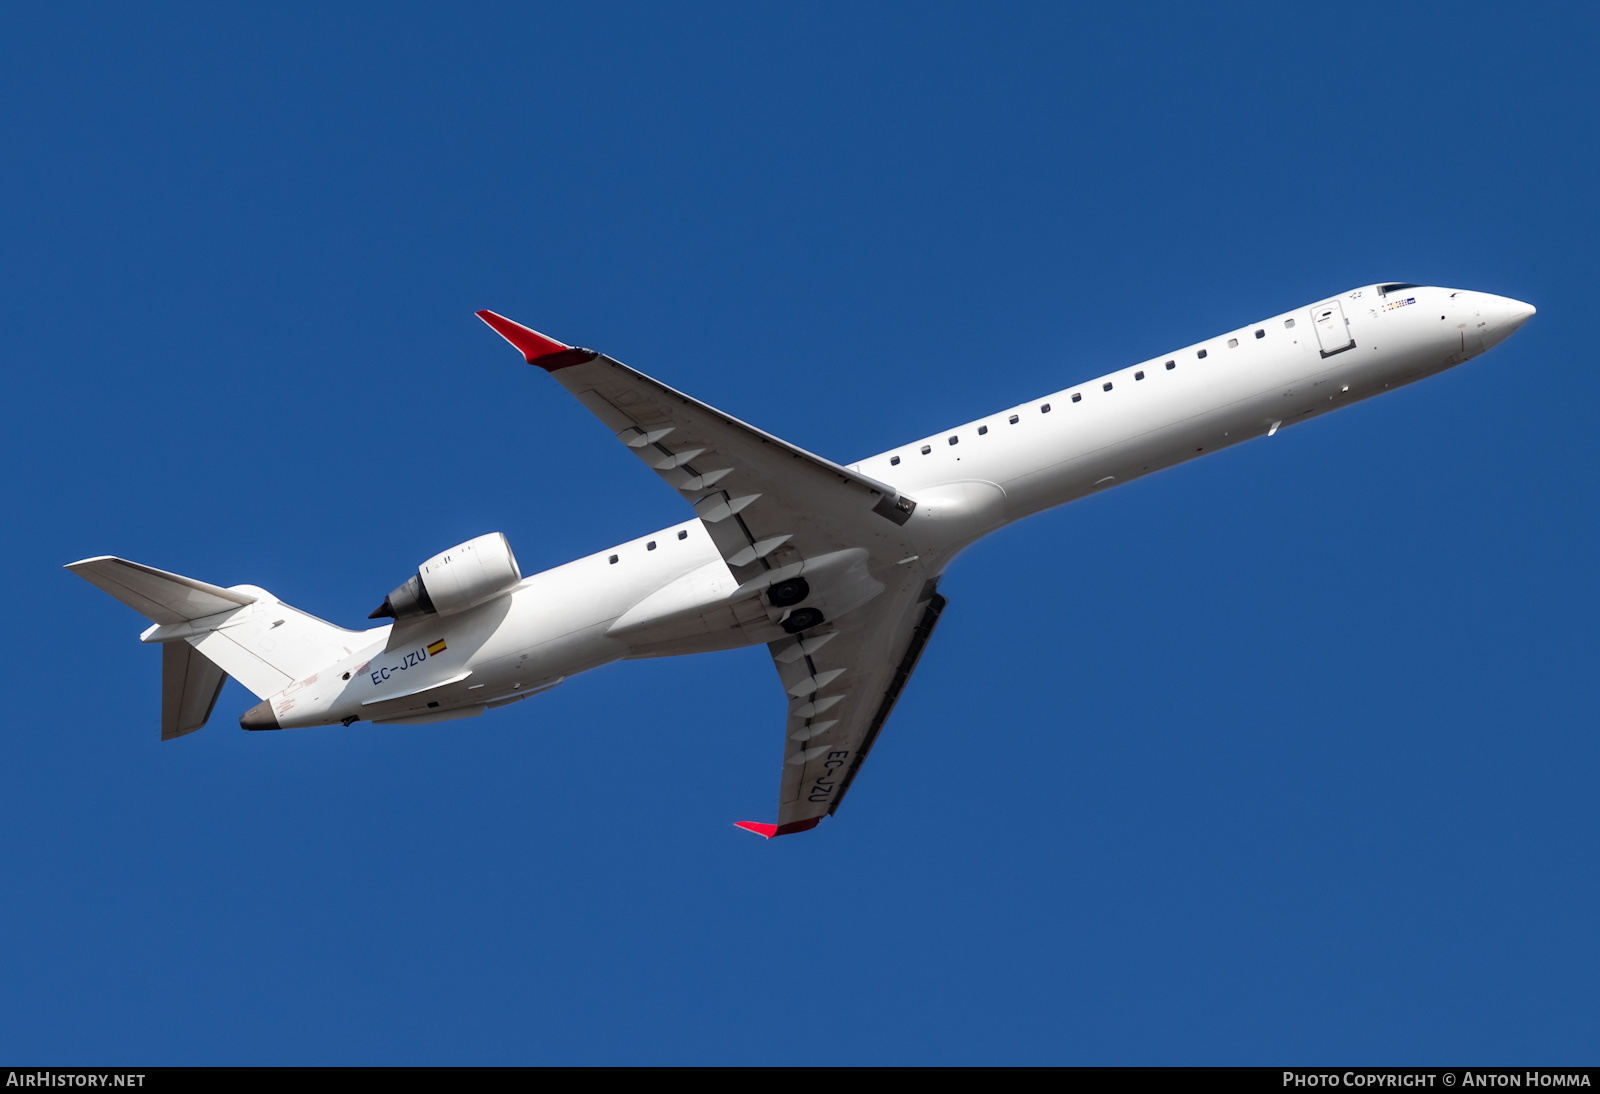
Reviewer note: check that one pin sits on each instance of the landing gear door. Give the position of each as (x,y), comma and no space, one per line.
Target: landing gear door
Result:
(1333,331)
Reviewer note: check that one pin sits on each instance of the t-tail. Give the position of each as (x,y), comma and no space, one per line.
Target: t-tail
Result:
(208,633)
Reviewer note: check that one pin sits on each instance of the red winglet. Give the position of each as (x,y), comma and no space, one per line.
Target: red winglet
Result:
(767,831)
(532,344)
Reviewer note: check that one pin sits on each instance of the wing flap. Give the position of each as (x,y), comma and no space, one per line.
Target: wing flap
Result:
(902,675)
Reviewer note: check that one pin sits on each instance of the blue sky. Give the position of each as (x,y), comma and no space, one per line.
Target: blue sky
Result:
(1285,755)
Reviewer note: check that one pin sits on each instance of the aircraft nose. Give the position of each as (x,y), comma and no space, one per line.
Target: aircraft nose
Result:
(1505,316)
(1506,312)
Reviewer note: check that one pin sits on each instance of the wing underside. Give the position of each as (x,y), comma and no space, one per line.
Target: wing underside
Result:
(767,504)
(842,683)
(820,546)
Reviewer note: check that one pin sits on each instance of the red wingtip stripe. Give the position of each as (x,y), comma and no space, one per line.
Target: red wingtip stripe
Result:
(767,831)
(532,344)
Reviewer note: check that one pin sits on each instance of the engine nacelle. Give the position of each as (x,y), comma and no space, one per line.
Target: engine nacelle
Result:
(453,581)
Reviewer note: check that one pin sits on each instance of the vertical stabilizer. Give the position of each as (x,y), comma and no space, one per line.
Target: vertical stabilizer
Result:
(190,684)
(210,633)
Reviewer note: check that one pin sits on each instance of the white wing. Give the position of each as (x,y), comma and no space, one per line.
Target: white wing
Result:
(842,683)
(824,544)
(766,503)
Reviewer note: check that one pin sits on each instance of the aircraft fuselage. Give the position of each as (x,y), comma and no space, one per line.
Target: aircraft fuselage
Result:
(670,592)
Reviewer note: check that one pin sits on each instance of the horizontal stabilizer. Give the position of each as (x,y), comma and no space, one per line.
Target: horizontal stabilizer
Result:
(246,632)
(155,594)
(767,831)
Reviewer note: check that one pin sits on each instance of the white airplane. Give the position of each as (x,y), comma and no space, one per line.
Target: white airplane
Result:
(834,567)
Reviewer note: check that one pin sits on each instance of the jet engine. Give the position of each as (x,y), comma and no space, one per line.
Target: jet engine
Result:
(453,581)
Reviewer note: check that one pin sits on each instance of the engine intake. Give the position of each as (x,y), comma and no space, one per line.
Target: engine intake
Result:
(452,581)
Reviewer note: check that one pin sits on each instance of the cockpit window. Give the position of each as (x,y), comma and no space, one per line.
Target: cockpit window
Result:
(1385,290)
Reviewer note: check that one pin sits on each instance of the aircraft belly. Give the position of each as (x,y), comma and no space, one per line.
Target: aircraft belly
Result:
(709,641)
(540,667)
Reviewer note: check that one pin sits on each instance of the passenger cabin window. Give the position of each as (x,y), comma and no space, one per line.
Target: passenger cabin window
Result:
(1202,354)
(1261,334)
(1171,365)
(1013,419)
(1044,408)
(1106,386)
(1233,343)
(1138,375)
(926,449)
(894,460)
(1288,323)
(651,546)
(684,534)
(953,440)
(982,429)
(1077,398)
(613,560)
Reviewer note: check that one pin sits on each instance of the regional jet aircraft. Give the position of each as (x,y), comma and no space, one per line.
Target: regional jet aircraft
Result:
(834,567)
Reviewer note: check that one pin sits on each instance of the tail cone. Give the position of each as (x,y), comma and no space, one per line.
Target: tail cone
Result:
(259,716)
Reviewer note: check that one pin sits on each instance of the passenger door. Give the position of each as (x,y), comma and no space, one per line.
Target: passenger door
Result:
(1333,330)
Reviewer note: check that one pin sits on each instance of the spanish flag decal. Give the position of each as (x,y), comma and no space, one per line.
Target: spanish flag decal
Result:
(436,649)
